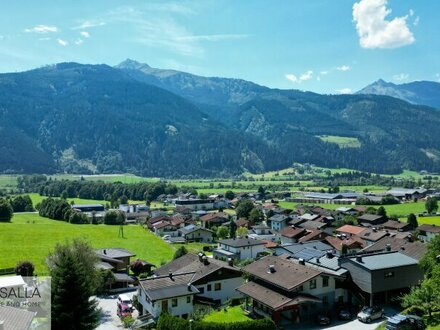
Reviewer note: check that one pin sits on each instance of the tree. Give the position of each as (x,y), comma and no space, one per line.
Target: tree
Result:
(242,231)
(181,251)
(412,220)
(74,282)
(232,229)
(430,261)
(6,211)
(222,232)
(25,268)
(370,210)
(244,208)
(22,204)
(203,196)
(123,199)
(230,195)
(114,218)
(381,211)
(261,190)
(431,205)
(78,218)
(426,296)
(255,216)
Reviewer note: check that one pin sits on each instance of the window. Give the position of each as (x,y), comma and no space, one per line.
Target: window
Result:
(217,286)
(389,274)
(202,290)
(209,287)
(313,284)
(188,299)
(174,302)
(325,300)
(325,281)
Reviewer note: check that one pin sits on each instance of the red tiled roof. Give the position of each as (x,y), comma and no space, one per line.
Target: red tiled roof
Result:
(349,229)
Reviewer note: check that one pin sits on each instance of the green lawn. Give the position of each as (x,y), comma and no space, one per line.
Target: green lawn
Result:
(428,220)
(31,237)
(231,315)
(342,141)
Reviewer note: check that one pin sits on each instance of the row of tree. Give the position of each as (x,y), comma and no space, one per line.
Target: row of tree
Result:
(10,205)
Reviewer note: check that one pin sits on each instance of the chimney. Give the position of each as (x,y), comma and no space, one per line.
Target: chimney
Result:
(230,262)
(301,261)
(359,258)
(189,286)
(205,260)
(329,254)
(318,261)
(200,254)
(271,269)
(170,274)
(388,247)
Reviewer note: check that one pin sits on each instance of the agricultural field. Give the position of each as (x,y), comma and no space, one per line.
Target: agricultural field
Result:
(31,237)
(398,210)
(341,141)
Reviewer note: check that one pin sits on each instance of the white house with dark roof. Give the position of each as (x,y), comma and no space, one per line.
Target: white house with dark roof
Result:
(172,293)
(193,233)
(428,232)
(215,279)
(239,248)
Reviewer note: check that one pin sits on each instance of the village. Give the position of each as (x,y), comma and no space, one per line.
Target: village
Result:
(299,267)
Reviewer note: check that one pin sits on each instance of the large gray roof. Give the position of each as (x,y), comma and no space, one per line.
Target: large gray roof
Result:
(296,247)
(240,242)
(16,318)
(163,287)
(384,260)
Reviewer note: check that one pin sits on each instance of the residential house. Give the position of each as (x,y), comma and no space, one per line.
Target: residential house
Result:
(193,233)
(262,232)
(117,260)
(293,249)
(243,223)
(350,230)
(428,232)
(414,249)
(214,219)
(369,220)
(172,293)
(407,194)
(239,248)
(195,204)
(313,235)
(372,235)
(216,280)
(352,244)
(381,276)
(292,234)
(287,291)
(279,221)
(396,225)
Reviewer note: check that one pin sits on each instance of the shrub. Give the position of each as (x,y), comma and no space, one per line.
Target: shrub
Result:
(235,302)
(25,268)
(127,321)
(413,310)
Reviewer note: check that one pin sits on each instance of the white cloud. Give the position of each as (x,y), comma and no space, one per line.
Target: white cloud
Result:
(291,77)
(401,77)
(302,77)
(88,24)
(85,34)
(306,76)
(344,91)
(78,42)
(437,75)
(325,72)
(62,42)
(375,31)
(318,78)
(45,39)
(416,21)
(411,12)
(343,68)
(42,29)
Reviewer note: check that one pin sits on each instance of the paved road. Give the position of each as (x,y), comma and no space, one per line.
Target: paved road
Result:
(109,319)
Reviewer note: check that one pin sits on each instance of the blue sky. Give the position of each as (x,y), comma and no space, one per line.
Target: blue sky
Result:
(331,46)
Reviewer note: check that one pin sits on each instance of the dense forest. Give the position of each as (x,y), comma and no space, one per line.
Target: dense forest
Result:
(75,118)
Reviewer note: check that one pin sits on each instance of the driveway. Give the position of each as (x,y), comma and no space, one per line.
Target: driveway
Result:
(354,324)
(109,319)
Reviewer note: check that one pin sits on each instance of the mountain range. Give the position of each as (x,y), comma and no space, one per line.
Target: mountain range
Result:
(81,118)
(417,92)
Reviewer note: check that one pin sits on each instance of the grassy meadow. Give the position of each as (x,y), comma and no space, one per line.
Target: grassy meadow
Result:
(342,141)
(31,237)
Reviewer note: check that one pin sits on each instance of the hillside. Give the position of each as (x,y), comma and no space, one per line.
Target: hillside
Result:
(417,92)
(133,118)
(83,118)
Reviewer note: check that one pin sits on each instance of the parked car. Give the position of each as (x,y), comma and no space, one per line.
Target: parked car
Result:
(405,322)
(323,319)
(166,237)
(125,300)
(344,314)
(368,314)
(124,311)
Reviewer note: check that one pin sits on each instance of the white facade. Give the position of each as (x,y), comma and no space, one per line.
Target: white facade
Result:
(175,306)
(427,236)
(221,290)
(244,252)
(199,235)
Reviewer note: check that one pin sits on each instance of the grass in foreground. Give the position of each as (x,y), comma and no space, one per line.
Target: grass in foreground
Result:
(231,315)
(31,237)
